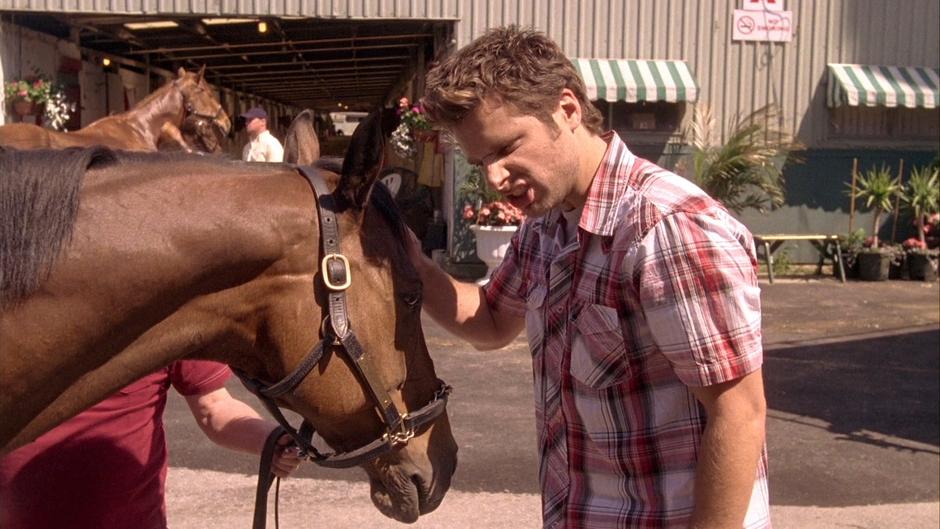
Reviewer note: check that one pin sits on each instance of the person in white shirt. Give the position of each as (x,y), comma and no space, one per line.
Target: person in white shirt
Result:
(262,146)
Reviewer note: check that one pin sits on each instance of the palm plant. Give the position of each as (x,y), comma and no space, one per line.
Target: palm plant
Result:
(877,188)
(921,195)
(746,171)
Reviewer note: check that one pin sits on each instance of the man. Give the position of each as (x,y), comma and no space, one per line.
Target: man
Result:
(638,293)
(262,145)
(106,467)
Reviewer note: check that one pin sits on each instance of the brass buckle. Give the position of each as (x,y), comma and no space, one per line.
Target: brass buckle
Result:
(324,269)
(402,435)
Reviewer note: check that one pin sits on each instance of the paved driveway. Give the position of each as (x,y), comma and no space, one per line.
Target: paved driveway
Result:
(852,384)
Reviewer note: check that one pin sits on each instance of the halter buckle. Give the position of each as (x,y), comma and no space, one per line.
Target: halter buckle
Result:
(327,277)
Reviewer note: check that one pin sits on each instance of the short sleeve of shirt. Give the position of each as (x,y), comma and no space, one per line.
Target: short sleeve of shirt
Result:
(697,285)
(195,377)
(506,289)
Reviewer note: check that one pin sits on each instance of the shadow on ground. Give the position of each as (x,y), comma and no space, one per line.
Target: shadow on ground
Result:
(856,420)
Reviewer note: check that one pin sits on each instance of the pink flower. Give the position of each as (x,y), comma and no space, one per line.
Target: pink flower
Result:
(468,213)
(914,243)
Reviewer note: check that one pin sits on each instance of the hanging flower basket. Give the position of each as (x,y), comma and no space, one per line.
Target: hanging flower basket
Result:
(425,136)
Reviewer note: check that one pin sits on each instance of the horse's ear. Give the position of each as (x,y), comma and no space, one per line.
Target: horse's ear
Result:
(202,73)
(364,157)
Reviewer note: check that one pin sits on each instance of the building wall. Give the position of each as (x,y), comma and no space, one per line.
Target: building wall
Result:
(735,78)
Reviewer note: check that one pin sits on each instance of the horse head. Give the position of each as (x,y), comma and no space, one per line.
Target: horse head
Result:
(380,322)
(199,99)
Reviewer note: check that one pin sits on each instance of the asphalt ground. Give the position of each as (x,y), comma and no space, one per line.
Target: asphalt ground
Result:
(851,374)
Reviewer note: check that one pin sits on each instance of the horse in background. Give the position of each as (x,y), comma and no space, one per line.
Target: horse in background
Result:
(301,145)
(199,136)
(116,264)
(156,118)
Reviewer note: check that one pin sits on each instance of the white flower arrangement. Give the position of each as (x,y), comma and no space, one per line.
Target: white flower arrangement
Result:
(58,110)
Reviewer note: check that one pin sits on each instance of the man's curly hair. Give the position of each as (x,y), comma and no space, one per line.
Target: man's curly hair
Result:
(520,67)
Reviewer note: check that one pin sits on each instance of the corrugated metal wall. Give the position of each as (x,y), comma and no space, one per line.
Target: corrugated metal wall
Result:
(735,77)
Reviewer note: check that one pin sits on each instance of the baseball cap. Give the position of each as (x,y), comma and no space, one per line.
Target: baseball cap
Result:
(256,112)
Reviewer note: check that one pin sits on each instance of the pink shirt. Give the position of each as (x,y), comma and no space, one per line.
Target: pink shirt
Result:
(105,468)
(657,292)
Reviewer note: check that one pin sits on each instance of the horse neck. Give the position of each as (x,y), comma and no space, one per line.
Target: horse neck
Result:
(162,107)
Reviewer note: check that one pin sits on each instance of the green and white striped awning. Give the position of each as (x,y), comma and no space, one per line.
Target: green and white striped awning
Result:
(636,80)
(883,86)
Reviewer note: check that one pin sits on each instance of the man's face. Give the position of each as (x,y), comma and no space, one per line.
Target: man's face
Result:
(529,163)
(255,126)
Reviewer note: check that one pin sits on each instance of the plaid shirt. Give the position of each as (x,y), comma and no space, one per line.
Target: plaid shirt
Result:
(658,292)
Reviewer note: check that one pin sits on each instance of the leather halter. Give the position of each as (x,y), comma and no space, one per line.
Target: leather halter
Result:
(191,111)
(336,331)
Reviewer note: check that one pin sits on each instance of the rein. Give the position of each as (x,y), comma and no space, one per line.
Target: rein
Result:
(399,427)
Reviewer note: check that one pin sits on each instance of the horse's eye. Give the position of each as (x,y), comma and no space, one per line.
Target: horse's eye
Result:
(412,299)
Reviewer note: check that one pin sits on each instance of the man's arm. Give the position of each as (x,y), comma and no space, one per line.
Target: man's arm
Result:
(231,423)
(731,447)
(461,308)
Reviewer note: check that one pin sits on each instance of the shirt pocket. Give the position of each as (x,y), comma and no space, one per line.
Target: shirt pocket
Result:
(598,351)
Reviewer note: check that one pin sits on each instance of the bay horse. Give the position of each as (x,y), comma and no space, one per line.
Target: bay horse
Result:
(115,264)
(158,116)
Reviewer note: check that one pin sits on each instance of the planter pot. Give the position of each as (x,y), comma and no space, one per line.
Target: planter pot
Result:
(873,266)
(921,267)
(24,108)
(851,271)
(492,243)
(425,135)
(899,269)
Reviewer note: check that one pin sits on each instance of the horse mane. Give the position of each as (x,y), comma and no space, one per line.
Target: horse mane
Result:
(39,198)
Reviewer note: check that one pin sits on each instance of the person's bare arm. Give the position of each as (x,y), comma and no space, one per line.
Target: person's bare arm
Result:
(730,451)
(461,307)
(231,423)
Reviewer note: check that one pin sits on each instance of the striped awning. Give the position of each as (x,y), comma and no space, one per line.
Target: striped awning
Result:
(883,86)
(637,80)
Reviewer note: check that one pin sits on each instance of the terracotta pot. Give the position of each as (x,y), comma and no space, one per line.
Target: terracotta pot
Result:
(425,135)
(23,107)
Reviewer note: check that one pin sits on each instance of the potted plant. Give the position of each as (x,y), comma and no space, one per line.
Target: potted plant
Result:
(413,127)
(921,262)
(36,92)
(851,245)
(493,221)
(747,170)
(878,189)
(921,197)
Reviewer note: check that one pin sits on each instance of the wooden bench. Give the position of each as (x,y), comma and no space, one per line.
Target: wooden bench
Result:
(827,245)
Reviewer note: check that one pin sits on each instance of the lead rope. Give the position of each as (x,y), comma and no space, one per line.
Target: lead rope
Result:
(265,478)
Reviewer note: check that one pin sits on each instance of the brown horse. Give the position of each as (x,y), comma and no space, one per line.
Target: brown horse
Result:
(141,128)
(113,265)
